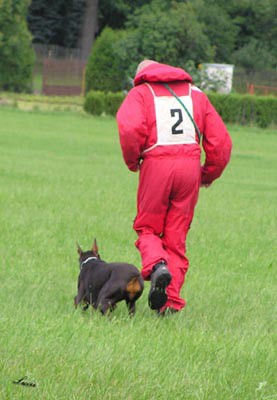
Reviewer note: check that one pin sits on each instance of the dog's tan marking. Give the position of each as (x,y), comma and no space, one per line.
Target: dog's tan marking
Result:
(133,287)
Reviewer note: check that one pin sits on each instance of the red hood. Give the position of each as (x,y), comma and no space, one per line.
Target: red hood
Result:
(161,73)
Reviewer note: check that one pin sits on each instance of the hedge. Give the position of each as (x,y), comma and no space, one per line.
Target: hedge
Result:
(246,109)
(98,103)
(233,108)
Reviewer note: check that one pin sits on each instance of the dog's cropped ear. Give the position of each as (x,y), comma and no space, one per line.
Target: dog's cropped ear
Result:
(79,250)
(95,248)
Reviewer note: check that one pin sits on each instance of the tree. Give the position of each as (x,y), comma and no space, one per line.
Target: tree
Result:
(255,56)
(173,31)
(89,28)
(170,35)
(114,13)
(243,32)
(16,53)
(58,24)
(168,32)
(219,27)
(256,42)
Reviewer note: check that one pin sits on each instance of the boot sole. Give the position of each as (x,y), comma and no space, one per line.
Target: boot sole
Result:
(157,296)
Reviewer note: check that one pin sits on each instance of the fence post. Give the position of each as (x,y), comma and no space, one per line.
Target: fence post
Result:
(83,80)
(251,89)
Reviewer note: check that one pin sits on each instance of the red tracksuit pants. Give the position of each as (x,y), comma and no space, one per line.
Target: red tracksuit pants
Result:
(167,195)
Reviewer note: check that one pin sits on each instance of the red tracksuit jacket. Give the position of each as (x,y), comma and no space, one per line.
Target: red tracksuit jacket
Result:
(137,121)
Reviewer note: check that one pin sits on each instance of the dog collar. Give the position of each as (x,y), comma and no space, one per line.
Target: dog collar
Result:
(88,259)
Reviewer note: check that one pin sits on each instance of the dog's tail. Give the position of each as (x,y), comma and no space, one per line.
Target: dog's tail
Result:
(135,287)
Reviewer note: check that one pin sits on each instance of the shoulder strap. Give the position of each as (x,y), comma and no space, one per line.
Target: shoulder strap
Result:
(185,108)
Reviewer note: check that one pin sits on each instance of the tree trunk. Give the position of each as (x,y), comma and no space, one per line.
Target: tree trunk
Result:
(89,28)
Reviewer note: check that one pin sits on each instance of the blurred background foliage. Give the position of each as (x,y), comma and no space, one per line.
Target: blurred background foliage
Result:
(120,33)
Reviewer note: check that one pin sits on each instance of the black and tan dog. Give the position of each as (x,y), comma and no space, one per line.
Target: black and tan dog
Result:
(102,284)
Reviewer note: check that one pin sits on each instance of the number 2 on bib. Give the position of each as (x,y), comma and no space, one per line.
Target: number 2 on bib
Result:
(176,112)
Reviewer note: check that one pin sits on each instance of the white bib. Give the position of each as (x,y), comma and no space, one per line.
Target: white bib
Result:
(173,123)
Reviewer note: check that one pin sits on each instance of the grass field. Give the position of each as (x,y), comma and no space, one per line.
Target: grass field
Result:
(62,179)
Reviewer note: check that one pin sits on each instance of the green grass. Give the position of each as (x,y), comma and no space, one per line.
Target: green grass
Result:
(63,180)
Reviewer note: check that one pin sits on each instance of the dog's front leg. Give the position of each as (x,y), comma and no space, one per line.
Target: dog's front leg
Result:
(131,305)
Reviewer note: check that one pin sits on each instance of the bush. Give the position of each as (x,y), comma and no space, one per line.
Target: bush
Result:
(98,103)
(104,70)
(94,102)
(112,102)
(17,56)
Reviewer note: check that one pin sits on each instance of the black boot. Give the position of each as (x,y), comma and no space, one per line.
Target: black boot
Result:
(160,279)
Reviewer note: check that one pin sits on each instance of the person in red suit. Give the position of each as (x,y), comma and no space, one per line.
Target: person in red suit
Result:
(160,124)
